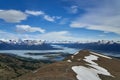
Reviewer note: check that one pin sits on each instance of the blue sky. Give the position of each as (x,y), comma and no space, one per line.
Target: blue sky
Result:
(88,20)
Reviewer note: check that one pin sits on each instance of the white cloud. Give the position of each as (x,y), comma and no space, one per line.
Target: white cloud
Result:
(104,16)
(60,35)
(12,16)
(35,13)
(48,18)
(27,28)
(52,36)
(43,15)
(73,9)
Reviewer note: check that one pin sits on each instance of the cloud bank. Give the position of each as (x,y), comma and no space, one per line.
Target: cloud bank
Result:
(12,16)
(56,36)
(104,16)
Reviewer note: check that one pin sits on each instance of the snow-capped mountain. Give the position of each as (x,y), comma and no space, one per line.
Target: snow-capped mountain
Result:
(83,65)
(38,42)
(20,42)
(24,45)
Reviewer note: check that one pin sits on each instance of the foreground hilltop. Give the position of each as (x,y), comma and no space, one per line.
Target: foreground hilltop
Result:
(83,65)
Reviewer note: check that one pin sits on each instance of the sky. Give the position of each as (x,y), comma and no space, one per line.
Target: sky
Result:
(72,20)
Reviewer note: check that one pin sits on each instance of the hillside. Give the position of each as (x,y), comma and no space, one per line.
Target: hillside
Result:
(83,65)
(12,66)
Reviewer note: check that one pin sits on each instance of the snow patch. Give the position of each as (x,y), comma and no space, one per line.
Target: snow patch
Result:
(69,61)
(100,70)
(35,71)
(91,72)
(76,53)
(84,73)
(101,55)
(90,58)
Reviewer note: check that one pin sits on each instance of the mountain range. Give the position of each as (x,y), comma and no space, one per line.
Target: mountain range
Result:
(46,45)
(25,45)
